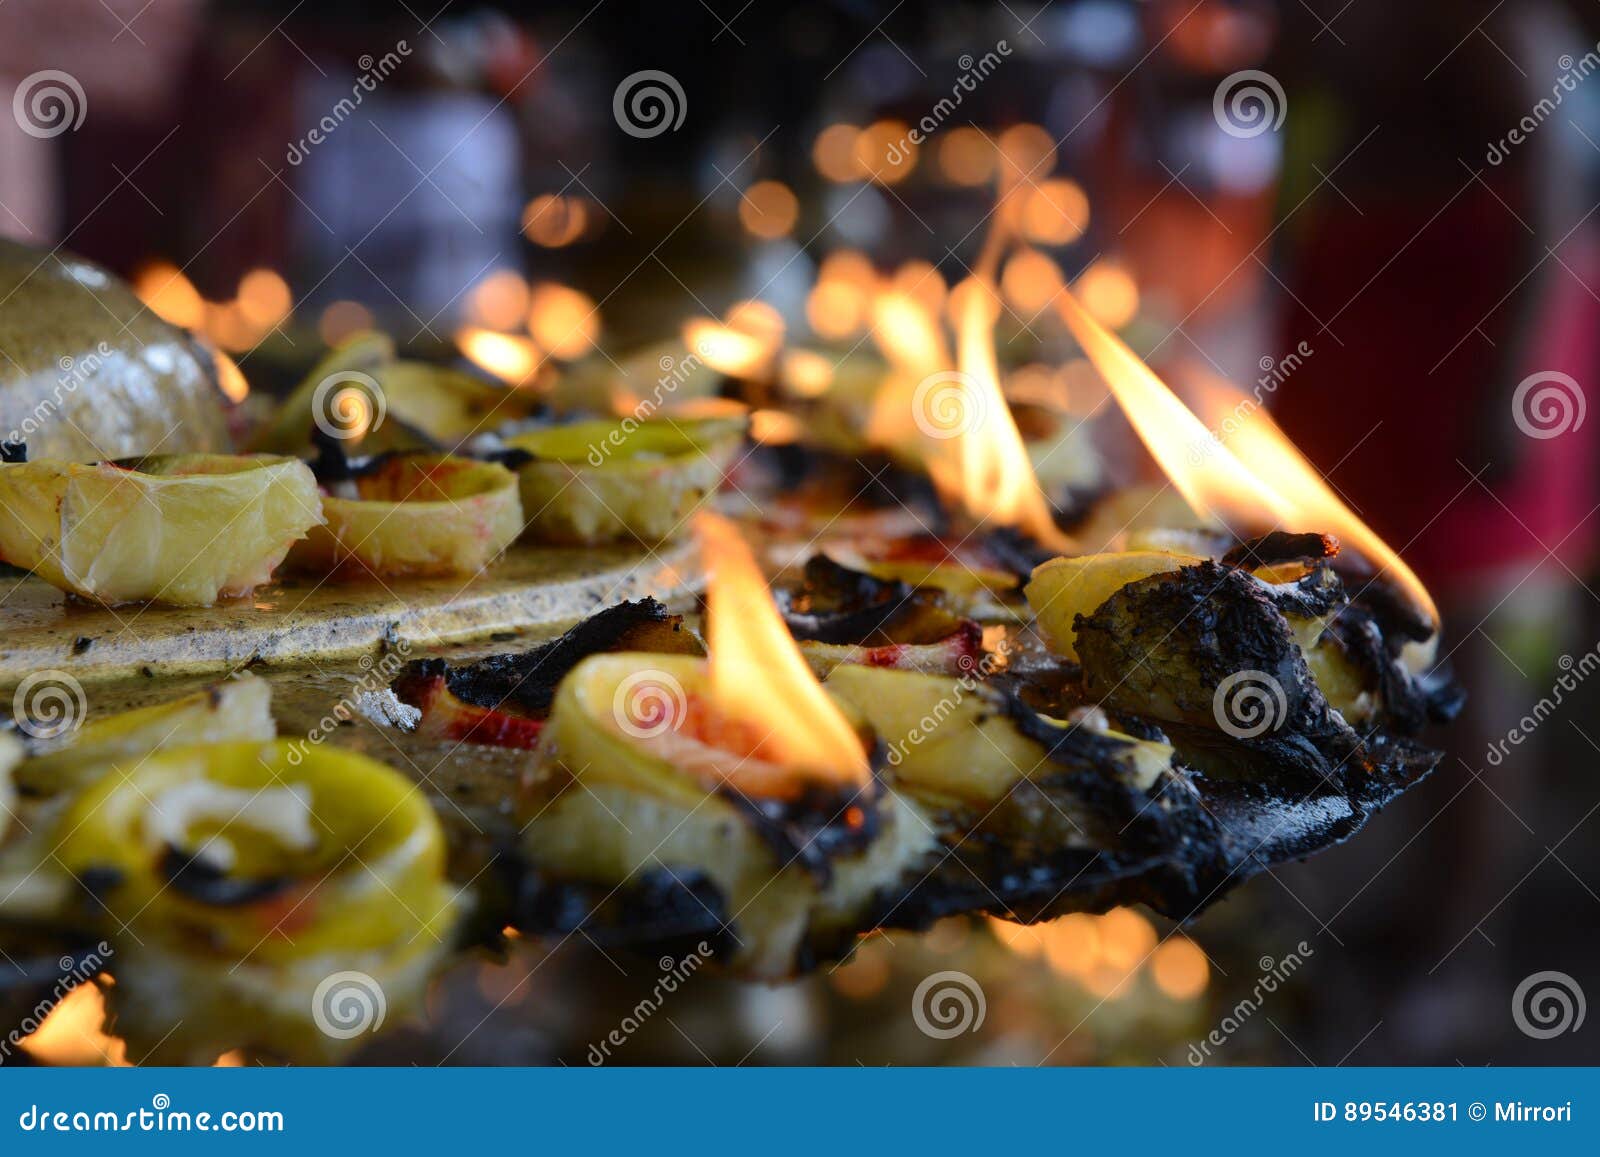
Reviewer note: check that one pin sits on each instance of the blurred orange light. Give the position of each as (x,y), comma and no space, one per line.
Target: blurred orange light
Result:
(1027,154)
(1180,969)
(264,297)
(1031,281)
(563,320)
(552,220)
(922,282)
(769,210)
(230,327)
(1109,293)
(834,153)
(343,318)
(162,286)
(514,360)
(836,309)
(1055,213)
(885,151)
(966,156)
(500,300)
(806,373)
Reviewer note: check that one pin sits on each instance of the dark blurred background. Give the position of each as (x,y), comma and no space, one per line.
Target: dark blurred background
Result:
(1422,219)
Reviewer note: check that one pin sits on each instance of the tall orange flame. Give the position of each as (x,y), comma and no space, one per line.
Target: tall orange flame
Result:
(758,676)
(1249,480)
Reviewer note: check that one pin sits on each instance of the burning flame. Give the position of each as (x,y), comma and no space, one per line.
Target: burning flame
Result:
(758,675)
(230,378)
(1224,479)
(1257,441)
(72,1033)
(996,476)
(514,360)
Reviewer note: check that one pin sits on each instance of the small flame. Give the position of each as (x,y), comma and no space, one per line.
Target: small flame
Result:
(73,1033)
(514,360)
(996,479)
(758,676)
(230,378)
(1225,480)
(563,320)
